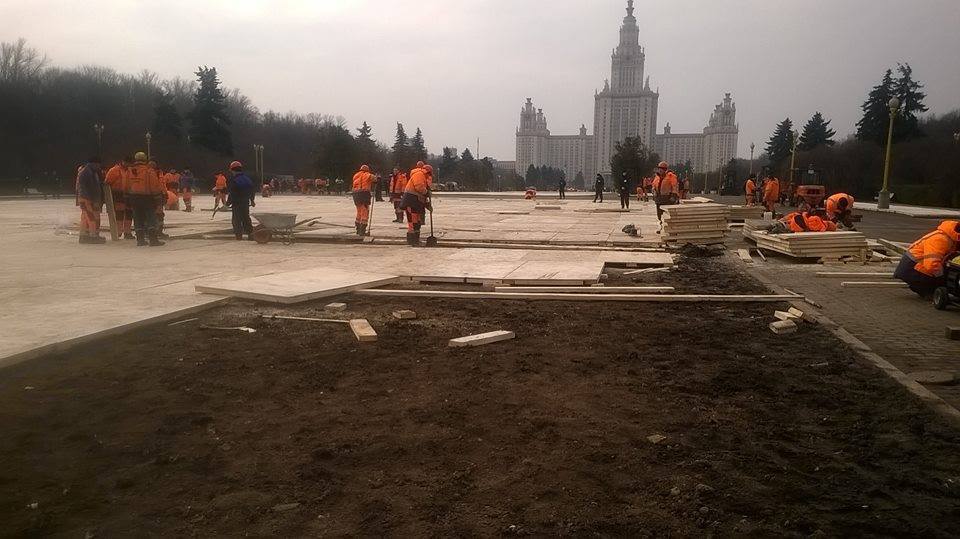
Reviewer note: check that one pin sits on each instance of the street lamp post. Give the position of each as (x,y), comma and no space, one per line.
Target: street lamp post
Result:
(258,155)
(793,153)
(752,147)
(148,137)
(883,201)
(98,129)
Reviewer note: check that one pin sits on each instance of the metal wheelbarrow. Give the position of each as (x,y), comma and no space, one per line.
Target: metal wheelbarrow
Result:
(280,226)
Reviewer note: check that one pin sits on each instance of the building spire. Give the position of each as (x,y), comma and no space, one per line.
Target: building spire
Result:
(629,8)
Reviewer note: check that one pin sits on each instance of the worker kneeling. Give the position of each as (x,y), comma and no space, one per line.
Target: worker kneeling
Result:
(416,202)
(840,209)
(362,184)
(922,266)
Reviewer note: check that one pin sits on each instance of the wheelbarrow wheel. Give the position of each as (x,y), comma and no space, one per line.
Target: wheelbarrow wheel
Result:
(262,236)
(941,298)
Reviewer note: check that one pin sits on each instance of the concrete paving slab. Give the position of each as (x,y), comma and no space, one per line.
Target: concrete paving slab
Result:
(298,286)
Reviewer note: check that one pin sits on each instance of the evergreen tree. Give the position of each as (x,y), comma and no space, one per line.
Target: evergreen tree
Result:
(401,149)
(816,132)
(166,120)
(876,111)
(780,144)
(363,133)
(911,97)
(632,157)
(533,176)
(466,156)
(417,147)
(450,162)
(336,152)
(209,119)
(578,181)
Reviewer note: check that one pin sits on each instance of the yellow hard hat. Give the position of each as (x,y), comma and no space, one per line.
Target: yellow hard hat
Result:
(140,157)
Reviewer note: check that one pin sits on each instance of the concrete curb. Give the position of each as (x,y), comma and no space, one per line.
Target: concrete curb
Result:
(63,346)
(931,399)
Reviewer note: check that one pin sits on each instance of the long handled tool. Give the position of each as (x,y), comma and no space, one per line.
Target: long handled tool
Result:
(370,214)
(432,240)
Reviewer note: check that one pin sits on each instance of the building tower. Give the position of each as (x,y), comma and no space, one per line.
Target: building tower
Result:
(720,135)
(626,107)
(532,138)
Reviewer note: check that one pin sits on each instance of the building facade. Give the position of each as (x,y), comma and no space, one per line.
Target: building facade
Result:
(626,107)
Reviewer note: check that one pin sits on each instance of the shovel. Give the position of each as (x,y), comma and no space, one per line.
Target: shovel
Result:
(432,240)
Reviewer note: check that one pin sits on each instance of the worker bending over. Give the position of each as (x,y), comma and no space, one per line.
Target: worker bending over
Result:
(398,183)
(840,209)
(922,266)
(808,222)
(362,184)
(416,201)
(122,210)
(241,196)
(665,189)
(750,190)
(90,200)
(145,193)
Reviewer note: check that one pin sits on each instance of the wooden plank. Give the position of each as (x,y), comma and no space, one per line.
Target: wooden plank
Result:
(362,330)
(784,315)
(404,314)
(689,298)
(302,319)
(898,248)
(853,274)
(481,339)
(111,212)
(646,270)
(873,284)
(587,289)
(953,333)
(783,327)
(744,255)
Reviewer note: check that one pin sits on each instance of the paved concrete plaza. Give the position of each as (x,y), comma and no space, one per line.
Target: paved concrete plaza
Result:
(55,290)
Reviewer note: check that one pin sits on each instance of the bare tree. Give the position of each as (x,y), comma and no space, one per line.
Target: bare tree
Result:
(19,63)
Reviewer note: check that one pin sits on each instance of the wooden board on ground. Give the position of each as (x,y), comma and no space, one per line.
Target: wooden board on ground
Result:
(588,289)
(744,255)
(853,274)
(362,330)
(297,286)
(111,212)
(481,339)
(873,284)
(688,298)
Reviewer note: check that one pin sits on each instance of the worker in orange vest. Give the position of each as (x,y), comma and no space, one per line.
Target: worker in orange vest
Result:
(808,222)
(750,190)
(219,190)
(922,266)
(90,200)
(187,185)
(665,189)
(122,210)
(416,201)
(398,183)
(362,184)
(145,192)
(771,193)
(171,180)
(840,209)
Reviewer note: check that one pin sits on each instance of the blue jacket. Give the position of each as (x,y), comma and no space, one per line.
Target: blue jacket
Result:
(240,189)
(89,185)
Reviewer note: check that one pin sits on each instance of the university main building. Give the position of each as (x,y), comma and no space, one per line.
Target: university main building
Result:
(626,107)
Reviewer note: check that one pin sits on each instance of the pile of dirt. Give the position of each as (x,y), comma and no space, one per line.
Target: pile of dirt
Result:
(599,419)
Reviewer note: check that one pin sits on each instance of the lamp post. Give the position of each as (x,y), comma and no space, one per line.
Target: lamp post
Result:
(883,201)
(752,147)
(148,137)
(98,129)
(793,152)
(258,156)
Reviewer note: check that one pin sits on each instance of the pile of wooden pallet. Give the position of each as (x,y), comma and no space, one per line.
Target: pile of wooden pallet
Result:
(744,213)
(826,245)
(699,224)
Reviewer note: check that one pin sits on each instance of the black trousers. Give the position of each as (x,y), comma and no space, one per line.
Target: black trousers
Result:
(921,284)
(144,212)
(563,193)
(241,218)
(624,200)
(598,195)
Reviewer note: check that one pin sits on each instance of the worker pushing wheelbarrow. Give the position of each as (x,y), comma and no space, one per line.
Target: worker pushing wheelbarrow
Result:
(281,226)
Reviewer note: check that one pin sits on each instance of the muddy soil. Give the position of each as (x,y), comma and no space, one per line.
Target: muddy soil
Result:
(599,419)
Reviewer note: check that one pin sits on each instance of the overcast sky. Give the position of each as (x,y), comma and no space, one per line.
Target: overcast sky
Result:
(461,69)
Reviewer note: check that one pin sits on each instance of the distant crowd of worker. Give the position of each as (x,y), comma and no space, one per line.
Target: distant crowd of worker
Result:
(142,193)
(410,195)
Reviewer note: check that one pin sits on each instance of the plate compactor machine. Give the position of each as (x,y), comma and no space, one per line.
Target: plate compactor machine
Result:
(949,293)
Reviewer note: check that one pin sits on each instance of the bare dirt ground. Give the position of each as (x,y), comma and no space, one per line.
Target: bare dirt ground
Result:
(299,430)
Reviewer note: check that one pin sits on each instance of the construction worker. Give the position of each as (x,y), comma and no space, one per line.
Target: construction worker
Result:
(416,201)
(598,188)
(665,189)
(530,193)
(241,196)
(164,201)
(750,190)
(363,182)
(922,266)
(266,190)
(90,200)
(398,183)
(840,209)
(771,193)
(647,188)
(562,187)
(683,186)
(219,190)
(623,189)
(808,222)
(144,192)
(122,210)
(172,182)
(187,185)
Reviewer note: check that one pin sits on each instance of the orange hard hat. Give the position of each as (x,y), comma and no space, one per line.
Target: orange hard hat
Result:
(428,168)
(236,165)
(419,164)
(663,164)
(364,168)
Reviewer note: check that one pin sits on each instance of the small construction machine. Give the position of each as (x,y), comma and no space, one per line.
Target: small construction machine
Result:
(811,192)
(949,293)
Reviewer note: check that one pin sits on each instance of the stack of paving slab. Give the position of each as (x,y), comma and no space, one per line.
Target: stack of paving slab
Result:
(696,200)
(745,213)
(698,224)
(829,245)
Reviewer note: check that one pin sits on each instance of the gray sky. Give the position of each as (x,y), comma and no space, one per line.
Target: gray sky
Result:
(461,69)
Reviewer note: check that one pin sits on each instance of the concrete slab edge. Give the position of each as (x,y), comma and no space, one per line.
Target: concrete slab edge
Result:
(927,397)
(65,345)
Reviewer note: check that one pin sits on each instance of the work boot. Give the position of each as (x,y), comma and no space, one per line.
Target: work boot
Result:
(362,230)
(239,237)
(163,236)
(84,239)
(97,240)
(141,240)
(415,239)
(154,240)
(128,236)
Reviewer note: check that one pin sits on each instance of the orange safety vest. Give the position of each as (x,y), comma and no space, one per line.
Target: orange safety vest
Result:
(221,182)
(804,222)
(665,184)
(930,251)
(771,190)
(141,179)
(114,178)
(418,183)
(833,204)
(398,183)
(362,181)
(751,187)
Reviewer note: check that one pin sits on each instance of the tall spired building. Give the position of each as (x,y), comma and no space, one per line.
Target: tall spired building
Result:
(626,107)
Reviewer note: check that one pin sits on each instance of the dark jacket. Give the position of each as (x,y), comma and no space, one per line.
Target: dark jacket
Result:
(240,190)
(89,185)
(623,184)
(598,183)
